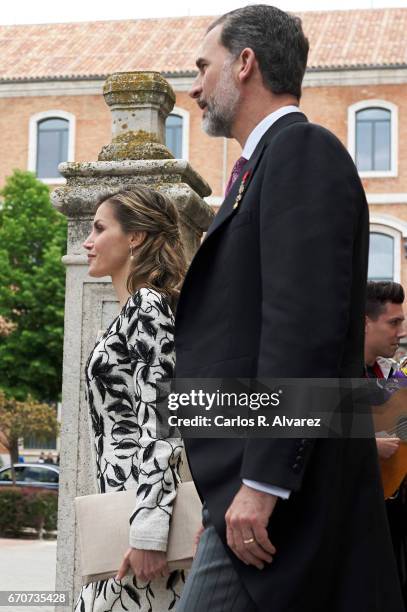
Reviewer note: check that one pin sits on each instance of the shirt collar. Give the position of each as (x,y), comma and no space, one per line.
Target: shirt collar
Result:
(262,127)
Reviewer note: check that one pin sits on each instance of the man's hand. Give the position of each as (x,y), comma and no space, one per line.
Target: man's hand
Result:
(386,447)
(246,521)
(145,564)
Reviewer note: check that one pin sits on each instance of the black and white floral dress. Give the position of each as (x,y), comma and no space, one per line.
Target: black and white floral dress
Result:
(136,350)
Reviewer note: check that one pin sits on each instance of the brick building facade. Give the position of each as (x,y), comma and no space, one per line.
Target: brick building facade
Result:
(51,80)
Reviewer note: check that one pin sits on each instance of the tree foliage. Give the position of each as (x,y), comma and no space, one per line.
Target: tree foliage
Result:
(32,289)
(23,419)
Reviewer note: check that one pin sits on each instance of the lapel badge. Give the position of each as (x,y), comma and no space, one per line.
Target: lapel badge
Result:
(242,188)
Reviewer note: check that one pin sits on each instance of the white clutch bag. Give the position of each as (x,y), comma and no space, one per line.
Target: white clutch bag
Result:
(103,523)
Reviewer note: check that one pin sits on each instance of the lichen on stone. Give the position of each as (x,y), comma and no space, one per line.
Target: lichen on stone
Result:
(139,137)
(117,151)
(140,87)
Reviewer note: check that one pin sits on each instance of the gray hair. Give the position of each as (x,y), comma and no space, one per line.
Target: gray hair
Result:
(277,40)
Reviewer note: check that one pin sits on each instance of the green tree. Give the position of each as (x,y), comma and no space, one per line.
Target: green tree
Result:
(20,419)
(32,289)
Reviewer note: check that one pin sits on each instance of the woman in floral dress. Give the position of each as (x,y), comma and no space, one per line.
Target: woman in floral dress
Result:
(135,239)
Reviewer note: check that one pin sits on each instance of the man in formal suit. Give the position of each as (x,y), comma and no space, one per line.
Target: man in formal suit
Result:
(277,289)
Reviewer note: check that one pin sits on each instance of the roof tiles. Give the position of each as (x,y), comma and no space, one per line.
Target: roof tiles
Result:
(338,39)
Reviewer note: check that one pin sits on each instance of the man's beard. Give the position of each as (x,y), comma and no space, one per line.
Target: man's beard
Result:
(221,106)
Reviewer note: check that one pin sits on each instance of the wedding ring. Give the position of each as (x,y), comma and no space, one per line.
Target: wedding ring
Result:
(250,541)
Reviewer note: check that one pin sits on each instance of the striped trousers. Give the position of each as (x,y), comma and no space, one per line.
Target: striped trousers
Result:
(213,584)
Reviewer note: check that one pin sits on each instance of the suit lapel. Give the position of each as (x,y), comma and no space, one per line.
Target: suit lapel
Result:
(227,209)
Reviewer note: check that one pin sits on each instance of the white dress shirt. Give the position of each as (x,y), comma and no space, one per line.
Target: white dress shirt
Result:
(248,149)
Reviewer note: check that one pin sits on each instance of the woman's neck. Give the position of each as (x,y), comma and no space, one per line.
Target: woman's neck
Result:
(119,282)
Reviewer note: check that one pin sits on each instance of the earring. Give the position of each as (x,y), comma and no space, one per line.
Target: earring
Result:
(131,254)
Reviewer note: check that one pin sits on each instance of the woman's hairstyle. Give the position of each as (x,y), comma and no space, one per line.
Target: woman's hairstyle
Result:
(160,260)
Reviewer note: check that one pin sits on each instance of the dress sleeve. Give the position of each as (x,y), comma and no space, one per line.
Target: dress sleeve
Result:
(150,338)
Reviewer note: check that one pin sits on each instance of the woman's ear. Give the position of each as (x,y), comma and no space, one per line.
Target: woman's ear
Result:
(137,239)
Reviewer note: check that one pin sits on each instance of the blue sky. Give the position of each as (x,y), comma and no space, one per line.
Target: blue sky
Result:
(51,11)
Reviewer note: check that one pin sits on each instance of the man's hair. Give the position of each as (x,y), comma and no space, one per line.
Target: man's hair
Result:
(381,293)
(277,40)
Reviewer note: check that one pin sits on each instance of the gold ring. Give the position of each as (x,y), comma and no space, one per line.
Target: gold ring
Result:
(250,541)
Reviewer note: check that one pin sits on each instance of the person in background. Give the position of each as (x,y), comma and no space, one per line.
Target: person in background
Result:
(49,458)
(41,458)
(383,332)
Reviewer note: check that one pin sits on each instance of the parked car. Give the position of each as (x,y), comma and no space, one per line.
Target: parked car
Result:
(38,475)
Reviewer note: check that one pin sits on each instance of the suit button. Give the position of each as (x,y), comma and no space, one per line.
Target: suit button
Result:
(296,467)
(298,458)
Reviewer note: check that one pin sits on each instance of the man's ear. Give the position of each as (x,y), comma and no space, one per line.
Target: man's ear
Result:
(247,64)
(367,324)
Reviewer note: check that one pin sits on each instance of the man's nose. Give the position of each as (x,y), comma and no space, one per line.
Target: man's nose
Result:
(196,88)
(401,332)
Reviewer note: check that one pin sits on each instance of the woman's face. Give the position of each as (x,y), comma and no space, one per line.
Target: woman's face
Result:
(108,246)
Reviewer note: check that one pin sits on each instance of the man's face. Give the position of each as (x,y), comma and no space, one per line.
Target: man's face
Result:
(214,88)
(383,335)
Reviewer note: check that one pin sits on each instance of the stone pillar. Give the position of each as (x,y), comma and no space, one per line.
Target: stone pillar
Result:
(140,103)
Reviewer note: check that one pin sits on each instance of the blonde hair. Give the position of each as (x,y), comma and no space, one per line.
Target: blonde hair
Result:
(160,260)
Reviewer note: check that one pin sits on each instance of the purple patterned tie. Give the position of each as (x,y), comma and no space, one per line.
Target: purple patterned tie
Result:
(236,170)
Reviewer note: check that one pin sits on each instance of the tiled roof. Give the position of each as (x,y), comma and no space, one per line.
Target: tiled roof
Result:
(338,39)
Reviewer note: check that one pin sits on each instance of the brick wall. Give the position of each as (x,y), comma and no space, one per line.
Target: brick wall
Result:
(211,157)
(92,127)
(325,105)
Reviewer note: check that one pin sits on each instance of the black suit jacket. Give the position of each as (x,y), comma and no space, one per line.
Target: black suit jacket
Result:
(277,289)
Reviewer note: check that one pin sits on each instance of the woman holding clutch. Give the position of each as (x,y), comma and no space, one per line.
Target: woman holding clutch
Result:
(135,239)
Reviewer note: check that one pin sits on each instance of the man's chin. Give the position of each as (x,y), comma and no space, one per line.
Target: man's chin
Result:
(208,126)
(213,127)
(389,354)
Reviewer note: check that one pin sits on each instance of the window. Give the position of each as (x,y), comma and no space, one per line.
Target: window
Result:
(40,474)
(177,133)
(52,146)
(372,137)
(51,141)
(381,257)
(37,442)
(173,135)
(388,235)
(5,475)
(373,150)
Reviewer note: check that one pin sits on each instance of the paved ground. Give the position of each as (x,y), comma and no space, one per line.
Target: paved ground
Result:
(27,565)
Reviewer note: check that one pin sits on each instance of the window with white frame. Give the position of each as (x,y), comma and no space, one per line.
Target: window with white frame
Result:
(51,141)
(388,234)
(177,133)
(373,138)
(381,257)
